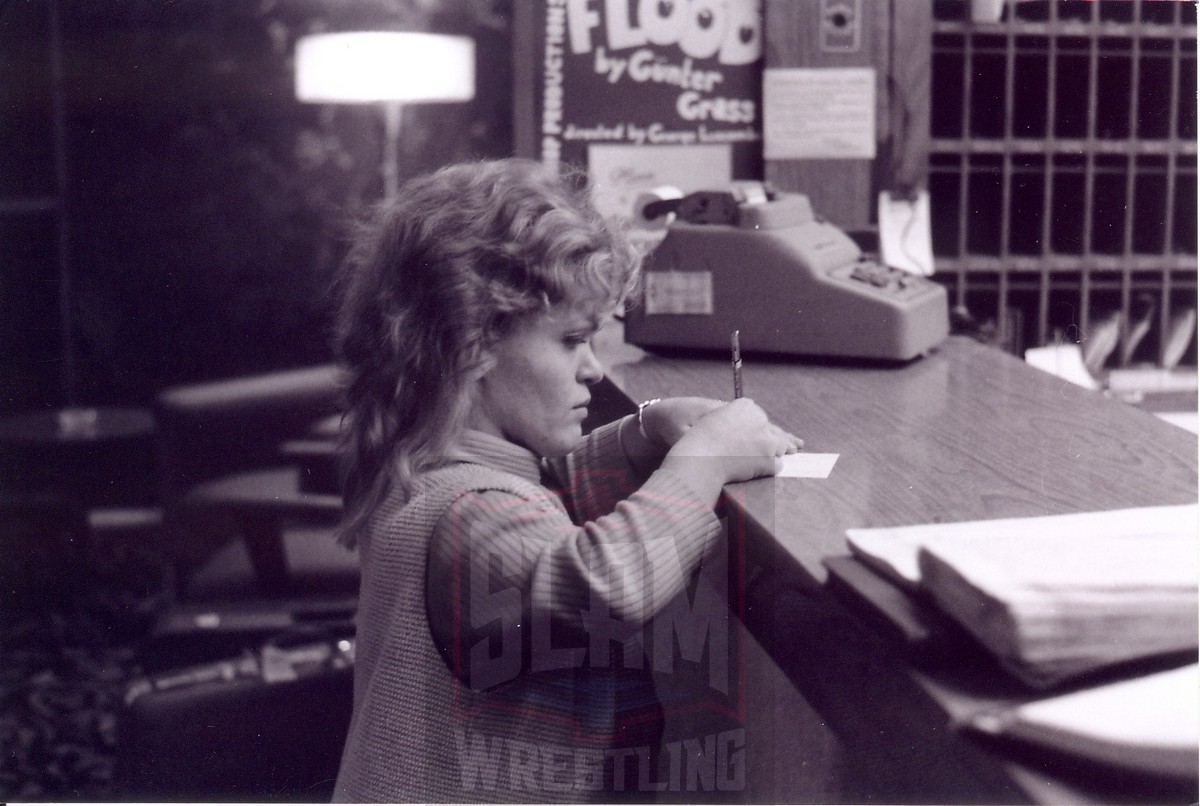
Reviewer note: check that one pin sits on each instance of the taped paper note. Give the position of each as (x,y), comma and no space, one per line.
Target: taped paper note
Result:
(819,113)
(807,465)
(904,239)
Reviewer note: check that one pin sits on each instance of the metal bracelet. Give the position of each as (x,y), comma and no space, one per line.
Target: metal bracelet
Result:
(645,404)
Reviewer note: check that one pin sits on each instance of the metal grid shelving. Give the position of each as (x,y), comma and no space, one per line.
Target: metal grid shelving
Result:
(1063,172)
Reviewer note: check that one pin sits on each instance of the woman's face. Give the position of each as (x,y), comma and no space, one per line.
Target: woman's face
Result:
(535,393)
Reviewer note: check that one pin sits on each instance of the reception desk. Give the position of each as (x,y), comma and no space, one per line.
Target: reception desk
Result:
(839,709)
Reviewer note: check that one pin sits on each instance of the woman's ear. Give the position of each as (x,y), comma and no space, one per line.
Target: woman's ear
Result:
(485,364)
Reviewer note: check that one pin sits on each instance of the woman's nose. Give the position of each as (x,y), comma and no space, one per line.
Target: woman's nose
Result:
(590,368)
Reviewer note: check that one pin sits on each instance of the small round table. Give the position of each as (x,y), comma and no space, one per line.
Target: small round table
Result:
(81,457)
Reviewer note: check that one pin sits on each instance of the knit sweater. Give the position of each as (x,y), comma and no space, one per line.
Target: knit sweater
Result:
(501,620)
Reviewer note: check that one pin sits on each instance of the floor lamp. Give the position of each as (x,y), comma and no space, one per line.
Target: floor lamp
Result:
(390,68)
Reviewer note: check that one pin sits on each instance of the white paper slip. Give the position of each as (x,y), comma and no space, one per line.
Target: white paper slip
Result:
(807,465)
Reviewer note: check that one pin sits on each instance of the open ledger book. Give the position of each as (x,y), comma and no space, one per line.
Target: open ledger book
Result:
(1056,596)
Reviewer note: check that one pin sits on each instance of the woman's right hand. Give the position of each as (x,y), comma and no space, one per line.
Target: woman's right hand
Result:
(733,442)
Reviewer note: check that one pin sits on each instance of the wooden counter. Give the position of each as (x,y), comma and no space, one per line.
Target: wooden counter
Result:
(967,432)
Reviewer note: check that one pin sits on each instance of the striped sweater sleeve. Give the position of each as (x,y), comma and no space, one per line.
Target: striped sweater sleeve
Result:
(598,475)
(511,570)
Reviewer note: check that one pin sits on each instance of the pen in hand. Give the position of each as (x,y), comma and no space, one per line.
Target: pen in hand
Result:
(737,365)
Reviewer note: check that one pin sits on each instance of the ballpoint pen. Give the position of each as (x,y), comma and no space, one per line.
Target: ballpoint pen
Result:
(737,365)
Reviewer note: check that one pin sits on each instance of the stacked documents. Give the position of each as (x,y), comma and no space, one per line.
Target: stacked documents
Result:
(1148,724)
(1057,596)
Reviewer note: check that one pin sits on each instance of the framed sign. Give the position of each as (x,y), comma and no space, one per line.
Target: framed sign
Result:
(638,73)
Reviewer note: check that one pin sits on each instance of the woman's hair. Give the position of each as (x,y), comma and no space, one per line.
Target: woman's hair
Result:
(437,277)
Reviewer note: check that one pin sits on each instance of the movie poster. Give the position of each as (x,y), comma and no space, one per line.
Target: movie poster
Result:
(649,73)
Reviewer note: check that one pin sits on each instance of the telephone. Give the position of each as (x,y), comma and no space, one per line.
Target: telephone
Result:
(751,259)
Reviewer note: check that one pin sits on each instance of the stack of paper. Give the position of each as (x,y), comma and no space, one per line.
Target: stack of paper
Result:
(1056,596)
(1149,724)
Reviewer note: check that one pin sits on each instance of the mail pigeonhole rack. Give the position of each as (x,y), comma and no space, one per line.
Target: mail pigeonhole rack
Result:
(1063,175)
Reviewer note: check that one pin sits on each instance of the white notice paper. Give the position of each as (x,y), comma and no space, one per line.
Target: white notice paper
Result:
(819,113)
(807,465)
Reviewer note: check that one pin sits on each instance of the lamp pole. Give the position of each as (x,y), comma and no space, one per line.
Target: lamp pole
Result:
(390,68)
(391,145)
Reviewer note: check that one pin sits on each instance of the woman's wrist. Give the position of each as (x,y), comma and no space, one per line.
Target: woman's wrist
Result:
(703,474)
(637,440)
(645,433)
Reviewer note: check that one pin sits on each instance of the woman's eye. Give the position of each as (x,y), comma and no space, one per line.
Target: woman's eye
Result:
(578,339)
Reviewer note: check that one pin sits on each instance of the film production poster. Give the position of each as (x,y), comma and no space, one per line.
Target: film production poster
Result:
(648,73)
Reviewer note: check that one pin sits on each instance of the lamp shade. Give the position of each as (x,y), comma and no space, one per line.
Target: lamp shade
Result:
(372,66)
